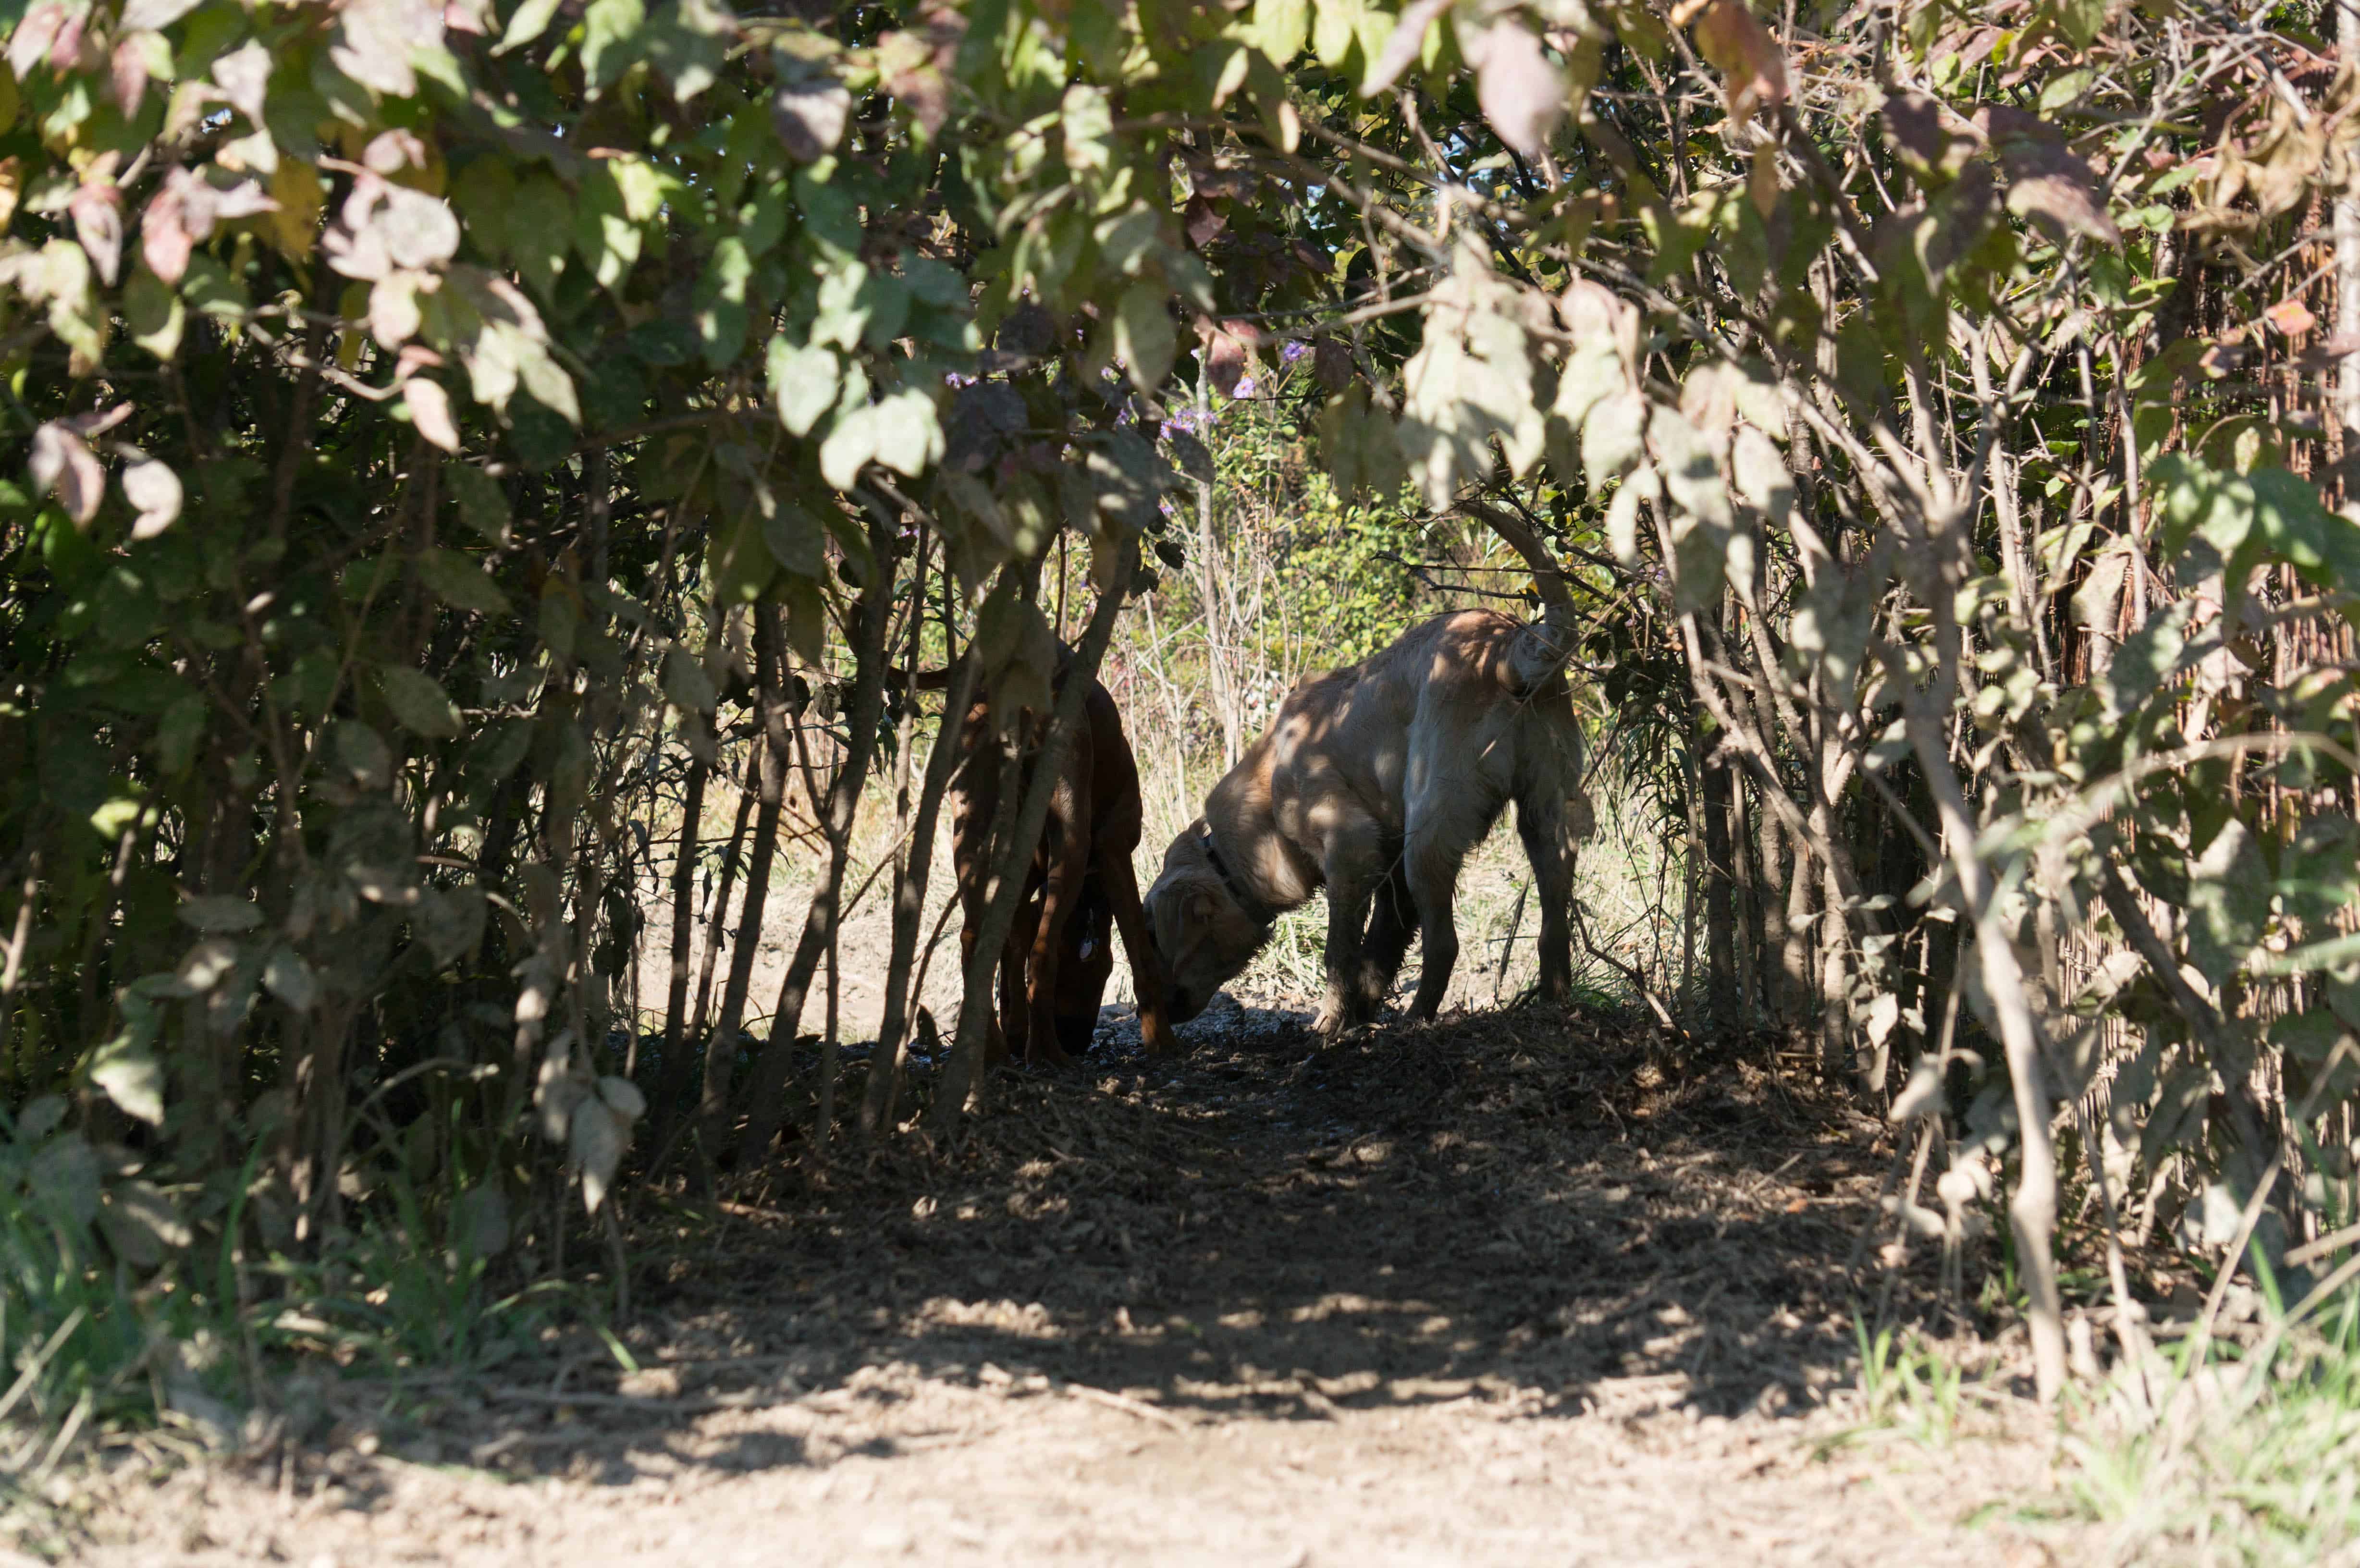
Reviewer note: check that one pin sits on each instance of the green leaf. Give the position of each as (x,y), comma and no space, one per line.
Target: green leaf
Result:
(909,433)
(1613,436)
(286,976)
(804,383)
(1088,118)
(540,224)
(483,505)
(154,314)
(459,581)
(531,19)
(2228,902)
(419,701)
(611,40)
(795,539)
(125,1068)
(688,41)
(220,912)
(1283,27)
(1144,336)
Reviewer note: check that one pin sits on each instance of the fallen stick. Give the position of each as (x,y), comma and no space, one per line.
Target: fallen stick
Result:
(1125,1403)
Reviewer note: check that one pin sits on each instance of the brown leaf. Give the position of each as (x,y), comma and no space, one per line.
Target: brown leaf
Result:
(2292,317)
(29,44)
(62,461)
(2056,189)
(1228,348)
(1214,180)
(1913,125)
(182,214)
(1521,93)
(393,151)
(429,412)
(1729,36)
(244,74)
(377,38)
(909,68)
(128,74)
(809,117)
(98,225)
(1202,221)
(154,491)
(1332,363)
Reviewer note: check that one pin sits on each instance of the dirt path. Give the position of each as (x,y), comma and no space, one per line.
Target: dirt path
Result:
(1502,1291)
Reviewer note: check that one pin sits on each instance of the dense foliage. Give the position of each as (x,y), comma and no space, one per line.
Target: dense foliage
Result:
(462,440)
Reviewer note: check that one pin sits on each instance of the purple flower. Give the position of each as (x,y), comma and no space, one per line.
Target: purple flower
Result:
(1244,388)
(953,378)
(1294,350)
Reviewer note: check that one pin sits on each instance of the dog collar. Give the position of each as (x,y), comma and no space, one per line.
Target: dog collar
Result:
(1253,907)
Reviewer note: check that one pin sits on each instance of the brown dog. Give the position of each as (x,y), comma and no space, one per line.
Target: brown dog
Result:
(1059,951)
(1374,782)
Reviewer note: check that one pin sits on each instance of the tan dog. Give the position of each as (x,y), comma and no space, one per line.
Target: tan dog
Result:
(1053,967)
(1375,782)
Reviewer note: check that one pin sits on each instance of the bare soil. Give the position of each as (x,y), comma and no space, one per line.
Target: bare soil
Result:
(1515,1288)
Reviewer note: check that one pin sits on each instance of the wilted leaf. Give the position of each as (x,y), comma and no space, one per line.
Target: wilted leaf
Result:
(1522,93)
(1190,455)
(377,38)
(97,212)
(62,462)
(429,412)
(1736,44)
(154,491)
(243,74)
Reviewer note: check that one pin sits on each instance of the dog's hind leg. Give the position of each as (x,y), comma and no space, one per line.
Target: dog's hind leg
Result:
(1059,893)
(1432,867)
(1355,869)
(1393,921)
(1541,823)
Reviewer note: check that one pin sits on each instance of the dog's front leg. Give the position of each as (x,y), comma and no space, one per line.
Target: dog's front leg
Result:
(1146,964)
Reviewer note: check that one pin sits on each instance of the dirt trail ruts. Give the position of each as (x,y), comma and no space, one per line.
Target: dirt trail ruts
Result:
(1514,1289)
